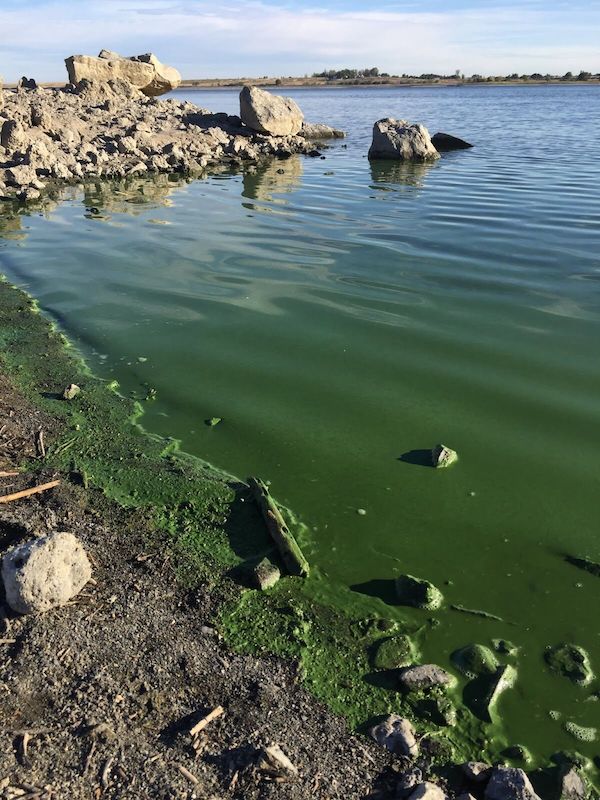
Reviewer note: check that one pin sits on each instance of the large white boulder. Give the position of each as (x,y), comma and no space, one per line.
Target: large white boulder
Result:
(401,140)
(145,72)
(45,573)
(269,113)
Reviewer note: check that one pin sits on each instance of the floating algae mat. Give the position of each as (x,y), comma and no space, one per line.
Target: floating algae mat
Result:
(338,326)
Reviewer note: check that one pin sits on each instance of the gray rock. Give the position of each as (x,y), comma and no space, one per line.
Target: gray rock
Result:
(318,131)
(397,735)
(425,676)
(509,783)
(442,456)
(12,135)
(445,142)
(408,781)
(428,791)
(573,787)
(477,771)
(418,593)
(145,72)
(402,141)
(45,573)
(269,113)
(265,574)
(274,762)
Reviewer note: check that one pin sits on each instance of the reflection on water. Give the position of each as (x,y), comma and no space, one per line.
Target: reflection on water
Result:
(265,181)
(397,172)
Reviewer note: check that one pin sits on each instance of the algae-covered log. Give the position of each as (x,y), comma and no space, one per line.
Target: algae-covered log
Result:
(291,553)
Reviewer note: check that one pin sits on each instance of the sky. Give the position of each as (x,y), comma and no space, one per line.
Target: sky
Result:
(252,38)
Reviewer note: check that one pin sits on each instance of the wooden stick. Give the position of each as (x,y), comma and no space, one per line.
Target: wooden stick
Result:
(39,443)
(216,712)
(8,498)
(291,553)
(8,474)
(187,774)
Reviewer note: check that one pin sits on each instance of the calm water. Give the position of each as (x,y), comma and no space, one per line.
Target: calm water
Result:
(337,314)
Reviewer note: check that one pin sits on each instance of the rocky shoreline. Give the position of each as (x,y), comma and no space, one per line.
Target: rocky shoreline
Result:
(112,130)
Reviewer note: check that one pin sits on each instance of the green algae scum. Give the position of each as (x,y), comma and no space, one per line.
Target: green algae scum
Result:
(324,325)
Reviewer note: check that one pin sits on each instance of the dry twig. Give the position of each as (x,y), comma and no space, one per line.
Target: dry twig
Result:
(8,498)
(216,712)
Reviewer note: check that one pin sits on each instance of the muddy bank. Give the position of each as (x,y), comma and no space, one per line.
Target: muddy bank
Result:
(112,130)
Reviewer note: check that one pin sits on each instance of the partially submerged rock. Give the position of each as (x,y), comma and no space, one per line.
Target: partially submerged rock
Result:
(402,141)
(474,660)
(509,783)
(425,676)
(573,786)
(584,734)
(477,771)
(504,678)
(570,661)
(394,652)
(442,456)
(312,130)
(397,735)
(418,593)
(269,113)
(45,573)
(145,72)
(445,142)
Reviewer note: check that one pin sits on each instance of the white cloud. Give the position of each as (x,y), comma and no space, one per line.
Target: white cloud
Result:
(242,37)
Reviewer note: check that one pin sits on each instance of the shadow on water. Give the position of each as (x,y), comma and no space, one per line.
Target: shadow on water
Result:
(381,588)
(421,458)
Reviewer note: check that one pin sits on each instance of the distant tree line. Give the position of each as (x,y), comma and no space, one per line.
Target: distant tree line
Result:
(350,74)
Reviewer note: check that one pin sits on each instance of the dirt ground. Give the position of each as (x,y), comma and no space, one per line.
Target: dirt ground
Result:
(97,698)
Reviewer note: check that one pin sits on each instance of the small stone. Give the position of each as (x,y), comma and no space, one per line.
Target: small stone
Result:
(517,752)
(505,647)
(425,676)
(45,573)
(477,771)
(418,593)
(211,422)
(265,574)
(428,791)
(408,781)
(71,391)
(394,652)
(573,786)
(442,456)
(361,512)
(101,731)
(509,783)
(274,762)
(397,735)
(570,661)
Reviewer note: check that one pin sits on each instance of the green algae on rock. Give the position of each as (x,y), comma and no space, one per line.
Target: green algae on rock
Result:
(442,456)
(474,660)
(570,661)
(394,652)
(418,593)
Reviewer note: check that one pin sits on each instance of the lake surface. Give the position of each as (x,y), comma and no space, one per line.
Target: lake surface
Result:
(338,315)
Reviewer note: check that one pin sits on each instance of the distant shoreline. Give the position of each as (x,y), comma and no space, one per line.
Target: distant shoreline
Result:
(316,83)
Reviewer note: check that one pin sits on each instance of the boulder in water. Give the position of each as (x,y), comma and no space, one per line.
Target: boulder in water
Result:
(402,141)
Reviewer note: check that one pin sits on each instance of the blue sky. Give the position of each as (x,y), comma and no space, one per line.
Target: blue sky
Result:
(287,37)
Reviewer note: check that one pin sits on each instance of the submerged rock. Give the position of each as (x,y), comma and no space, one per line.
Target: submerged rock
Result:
(570,661)
(397,735)
(394,652)
(509,783)
(474,660)
(442,456)
(45,573)
(425,676)
(402,141)
(581,732)
(418,593)
(269,113)
(445,142)
(145,72)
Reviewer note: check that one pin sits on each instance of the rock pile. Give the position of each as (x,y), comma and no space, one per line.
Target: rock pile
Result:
(110,129)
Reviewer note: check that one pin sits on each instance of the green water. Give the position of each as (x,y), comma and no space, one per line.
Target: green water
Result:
(338,321)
